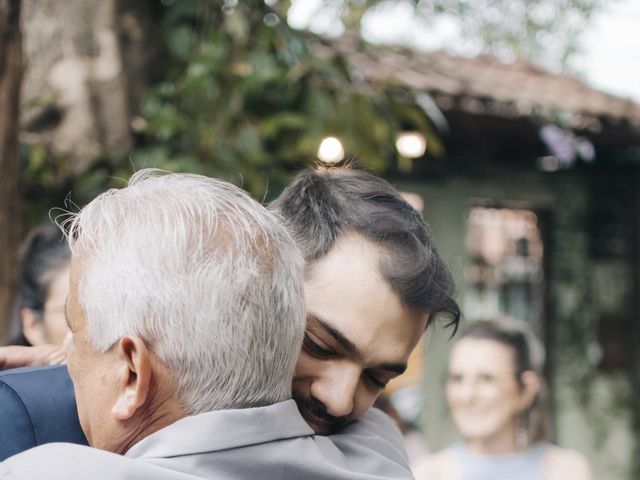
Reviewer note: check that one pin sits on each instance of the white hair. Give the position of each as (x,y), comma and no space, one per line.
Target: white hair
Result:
(205,275)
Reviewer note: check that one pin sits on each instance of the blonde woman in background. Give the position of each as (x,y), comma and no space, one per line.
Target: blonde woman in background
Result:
(496,395)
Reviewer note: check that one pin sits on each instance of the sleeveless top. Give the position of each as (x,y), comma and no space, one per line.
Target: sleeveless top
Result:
(525,465)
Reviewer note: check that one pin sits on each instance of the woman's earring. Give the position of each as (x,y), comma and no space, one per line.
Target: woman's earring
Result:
(522,437)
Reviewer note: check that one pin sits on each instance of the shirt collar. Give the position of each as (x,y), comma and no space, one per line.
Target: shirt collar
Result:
(222,429)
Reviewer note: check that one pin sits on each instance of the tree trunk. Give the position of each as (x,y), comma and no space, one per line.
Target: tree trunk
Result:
(634,338)
(10,77)
(76,88)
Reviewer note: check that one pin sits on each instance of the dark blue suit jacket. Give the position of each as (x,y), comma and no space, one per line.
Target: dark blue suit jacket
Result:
(37,406)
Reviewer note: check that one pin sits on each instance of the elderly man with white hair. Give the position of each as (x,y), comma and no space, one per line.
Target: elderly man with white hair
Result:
(187,314)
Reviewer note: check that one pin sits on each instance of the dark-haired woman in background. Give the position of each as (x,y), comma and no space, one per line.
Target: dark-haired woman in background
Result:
(38,317)
(496,395)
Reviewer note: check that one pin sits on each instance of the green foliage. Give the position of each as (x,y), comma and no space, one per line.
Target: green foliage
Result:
(45,181)
(246,99)
(235,93)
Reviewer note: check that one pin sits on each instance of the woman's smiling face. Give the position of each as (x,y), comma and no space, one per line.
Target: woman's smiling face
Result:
(483,390)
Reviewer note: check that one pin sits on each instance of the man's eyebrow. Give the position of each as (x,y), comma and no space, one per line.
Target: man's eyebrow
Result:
(349,346)
(398,368)
(338,336)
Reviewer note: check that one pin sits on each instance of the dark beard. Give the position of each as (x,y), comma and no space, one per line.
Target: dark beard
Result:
(314,408)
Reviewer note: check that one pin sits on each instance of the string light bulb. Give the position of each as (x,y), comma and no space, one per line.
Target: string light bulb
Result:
(411,144)
(330,150)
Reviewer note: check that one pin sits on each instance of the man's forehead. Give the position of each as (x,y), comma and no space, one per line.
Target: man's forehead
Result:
(350,243)
(351,297)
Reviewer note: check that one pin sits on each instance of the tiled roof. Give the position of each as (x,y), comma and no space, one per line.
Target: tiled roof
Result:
(484,84)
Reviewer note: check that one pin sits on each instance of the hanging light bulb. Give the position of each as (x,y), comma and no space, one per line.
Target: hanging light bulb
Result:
(330,150)
(411,144)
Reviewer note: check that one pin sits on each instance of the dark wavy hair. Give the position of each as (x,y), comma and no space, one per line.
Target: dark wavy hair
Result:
(43,254)
(321,204)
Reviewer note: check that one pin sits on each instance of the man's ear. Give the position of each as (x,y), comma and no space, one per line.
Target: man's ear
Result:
(134,377)
(530,388)
(32,327)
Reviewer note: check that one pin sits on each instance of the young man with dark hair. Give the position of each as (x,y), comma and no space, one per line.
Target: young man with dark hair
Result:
(373,282)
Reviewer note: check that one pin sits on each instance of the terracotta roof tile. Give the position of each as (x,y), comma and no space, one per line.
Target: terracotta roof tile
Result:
(519,87)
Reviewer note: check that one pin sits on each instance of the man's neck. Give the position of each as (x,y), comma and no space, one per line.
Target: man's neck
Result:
(148,427)
(161,410)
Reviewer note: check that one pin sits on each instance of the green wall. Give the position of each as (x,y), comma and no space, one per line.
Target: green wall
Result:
(590,408)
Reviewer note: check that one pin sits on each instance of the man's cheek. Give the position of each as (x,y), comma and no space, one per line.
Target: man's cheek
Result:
(362,402)
(307,366)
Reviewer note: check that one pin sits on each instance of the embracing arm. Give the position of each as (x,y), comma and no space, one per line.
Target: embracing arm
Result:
(15,356)
(15,423)
(38,406)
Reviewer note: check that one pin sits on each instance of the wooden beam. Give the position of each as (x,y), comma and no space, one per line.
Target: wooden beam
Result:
(10,212)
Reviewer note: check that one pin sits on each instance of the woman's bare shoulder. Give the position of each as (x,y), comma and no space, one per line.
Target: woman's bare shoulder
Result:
(440,466)
(563,463)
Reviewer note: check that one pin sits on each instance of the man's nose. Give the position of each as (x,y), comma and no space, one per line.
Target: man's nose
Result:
(337,390)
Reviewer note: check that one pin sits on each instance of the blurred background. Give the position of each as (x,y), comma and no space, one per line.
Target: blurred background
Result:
(513,125)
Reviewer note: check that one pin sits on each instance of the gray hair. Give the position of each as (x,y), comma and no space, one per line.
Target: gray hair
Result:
(205,275)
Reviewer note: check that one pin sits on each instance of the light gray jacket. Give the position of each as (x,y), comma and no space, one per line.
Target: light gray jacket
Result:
(270,442)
